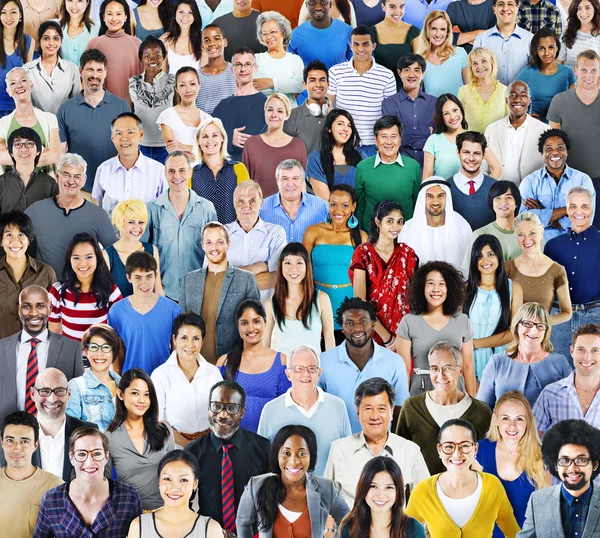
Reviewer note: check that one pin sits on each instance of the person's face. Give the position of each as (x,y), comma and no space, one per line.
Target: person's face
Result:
(391,225)
(438,32)
(133,229)
(211,140)
(481,67)
(213,42)
(71,179)
(555,154)
(178,172)
(340,207)
(215,245)
(506,11)
(222,424)
(271,35)
(585,12)
(394,10)
(50,42)
(247,206)
(290,184)
(375,415)
(444,372)
(435,289)
(184,16)
(152,59)
(18,85)
(435,201)
(93,75)
(298,371)
(75,8)
(84,261)
(34,310)
(294,459)
(459,460)
(293,269)
(341,130)
(24,151)
(126,136)
(136,398)
(388,143)
(547,50)
(575,477)
(18,445)
(504,205)
(244,68)
(528,237)
(242,5)
(10,15)
(275,113)
(412,77)
(52,407)
(100,359)
(579,211)
(316,85)
(251,326)
(89,470)
(188,342)
(531,337)
(511,419)
(357,327)
(362,47)
(143,282)
(176,484)
(382,493)
(586,355)
(587,72)
(318,10)
(471,157)
(488,261)
(451,115)
(188,86)
(14,242)
(114,17)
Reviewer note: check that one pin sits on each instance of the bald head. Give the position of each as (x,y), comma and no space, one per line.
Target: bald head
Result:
(34,309)
(518,99)
(51,378)
(34,289)
(51,406)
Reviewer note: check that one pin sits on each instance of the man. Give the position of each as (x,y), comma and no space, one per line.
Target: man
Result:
(210,10)
(514,139)
(240,26)
(243,113)
(412,106)
(130,174)
(575,112)
(22,484)
(55,220)
(23,184)
(92,111)
(227,287)
(292,208)
(247,452)
(509,42)
(348,456)
(306,120)
(437,232)
(470,18)
(544,192)
(417,10)
(571,452)
(537,14)
(470,186)
(359,358)
(175,221)
(321,37)
(387,175)
(290,9)
(360,85)
(307,404)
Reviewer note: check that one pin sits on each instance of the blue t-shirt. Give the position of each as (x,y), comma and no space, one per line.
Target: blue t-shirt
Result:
(447,77)
(14,60)
(314,170)
(366,14)
(307,42)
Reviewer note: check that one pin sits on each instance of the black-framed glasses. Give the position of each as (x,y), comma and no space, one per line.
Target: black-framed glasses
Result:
(94,348)
(466,447)
(81,455)
(299,369)
(46,392)
(530,325)
(19,145)
(231,408)
(579,461)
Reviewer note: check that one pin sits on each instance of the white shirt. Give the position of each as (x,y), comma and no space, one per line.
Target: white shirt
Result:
(460,510)
(378,160)
(181,403)
(144,180)
(514,139)
(23,349)
(208,15)
(289,402)
(52,451)
(443,413)
(462,182)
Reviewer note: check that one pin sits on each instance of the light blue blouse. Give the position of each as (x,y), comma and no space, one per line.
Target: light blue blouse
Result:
(446,162)
(72,48)
(447,77)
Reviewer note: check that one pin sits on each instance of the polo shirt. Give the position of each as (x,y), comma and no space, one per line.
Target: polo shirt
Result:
(309,42)
(303,125)
(417,10)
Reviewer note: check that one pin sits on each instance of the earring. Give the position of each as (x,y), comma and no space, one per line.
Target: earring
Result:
(352,221)
(328,219)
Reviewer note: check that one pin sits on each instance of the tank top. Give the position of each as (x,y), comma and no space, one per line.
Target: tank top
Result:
(14,125)
(177,61)
(117,268)
(148,527)
(141,33)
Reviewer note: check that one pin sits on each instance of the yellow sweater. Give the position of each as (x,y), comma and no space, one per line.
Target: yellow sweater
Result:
(493,507)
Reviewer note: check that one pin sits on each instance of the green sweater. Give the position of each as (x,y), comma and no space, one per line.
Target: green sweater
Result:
(396,182)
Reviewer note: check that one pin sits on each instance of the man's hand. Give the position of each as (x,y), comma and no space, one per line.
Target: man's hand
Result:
(530,203)
(239,139)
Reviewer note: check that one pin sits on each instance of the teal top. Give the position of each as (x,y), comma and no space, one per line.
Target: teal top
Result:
(447,77)
(446,162)
(142,33)
(72,47)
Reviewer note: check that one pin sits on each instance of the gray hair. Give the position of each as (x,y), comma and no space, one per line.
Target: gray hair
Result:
(19,68)
(71,159)
(580,190)
(289,164)
(246,186)
(446,346)
(528,216)
(179,153)
(373,387)
(303,347)
(284,26)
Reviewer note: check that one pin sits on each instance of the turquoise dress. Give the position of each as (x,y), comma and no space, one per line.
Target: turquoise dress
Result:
(330,266)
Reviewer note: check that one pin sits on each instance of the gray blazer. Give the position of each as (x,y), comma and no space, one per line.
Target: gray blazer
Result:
(543,519)
(238,285)
(322,495)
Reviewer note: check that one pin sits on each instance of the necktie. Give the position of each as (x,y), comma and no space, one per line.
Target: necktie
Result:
(471,187)
(32,373)
(227,489)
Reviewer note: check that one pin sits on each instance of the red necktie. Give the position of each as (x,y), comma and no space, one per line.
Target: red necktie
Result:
(32,373)
(471,187)
(227,489)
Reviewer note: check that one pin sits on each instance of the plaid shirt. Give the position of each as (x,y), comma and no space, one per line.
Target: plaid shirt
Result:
(58,517)
(574,511)
(532,17)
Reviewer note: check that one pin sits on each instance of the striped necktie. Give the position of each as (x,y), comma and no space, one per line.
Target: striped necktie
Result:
(227,489)
(32,373)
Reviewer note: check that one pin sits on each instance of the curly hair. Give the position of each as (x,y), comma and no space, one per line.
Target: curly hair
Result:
(354,303)
(454,284)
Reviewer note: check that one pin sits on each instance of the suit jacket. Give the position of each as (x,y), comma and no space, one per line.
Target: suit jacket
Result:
(63,353)
(531,158)
(238,285)
(543,519)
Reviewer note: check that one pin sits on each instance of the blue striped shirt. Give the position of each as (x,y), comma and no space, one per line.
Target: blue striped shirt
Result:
(215,88)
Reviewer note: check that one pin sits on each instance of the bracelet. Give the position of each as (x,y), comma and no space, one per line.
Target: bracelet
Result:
(329,529)
(389,341)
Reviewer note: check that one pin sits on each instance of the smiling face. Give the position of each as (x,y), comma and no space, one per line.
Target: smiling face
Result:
(184,16)
(391,225)
(93,75)
(24,151)
(318,10)
(188,86)
(528,236)
(488,261)
(136,397)
(18,445)
(452,116)
(89,470)
(438,32)
(394,10)
(18,85)
(586,355)
(215,245)
(375,415)
(178,173)
(531,338)
(84,261)
(10,16)
(188,342)
(126,136)
(506,11)
(587,72)
(176,484)
(459,460)
(511,421)
(34,309)
(143,282)
(382,493)
(481,67)
(362,47)
(210,140)
(341,207)
(133,229)
(14,242)
(435,289)
(51,407)
(504,205)
(357,327)
(271,35)
(294,460)
(316,85)
(341,130)
(555,154)
(152,59)
(471,157)
(575,477)
(293,269)
(114,17)
(275,113)
(388,143)
(435,201)
(444,372)
(579,211)
(75,8)
(251,326)
(244,68)
(411,77)
(50,43)
(213,42)
(304,381)
(585,12)
(222,424)
(290,184)
(100,361)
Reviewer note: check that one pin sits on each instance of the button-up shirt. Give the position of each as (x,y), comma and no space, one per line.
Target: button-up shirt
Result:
(462,182)
(378,160)
(52,451)
(541,186)
(417,10)
(514,140)
(208,15)
(533,17)
(23,349)
(52,90)
(574,511)
(16,195)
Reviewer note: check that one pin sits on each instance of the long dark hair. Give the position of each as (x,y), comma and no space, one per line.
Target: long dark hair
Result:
(102,282)
(309,293)
(20,43)
(354,232)
(234,357)
(126,26)
(534,57)
(352,154)
(174,31)
(272,491)
(86,19)
(382,210)
(574,24)
(49,25)
(156,432)
(359,519)
(166,11)
(438,115)
(344,9)
(502,284)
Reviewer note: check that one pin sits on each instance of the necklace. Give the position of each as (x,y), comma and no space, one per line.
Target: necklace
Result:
(295,500)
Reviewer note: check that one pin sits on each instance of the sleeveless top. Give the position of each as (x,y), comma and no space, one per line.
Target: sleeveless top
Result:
(293,333)
(148,527)
(141,32)
(177,61)
(14,125)
(117,268)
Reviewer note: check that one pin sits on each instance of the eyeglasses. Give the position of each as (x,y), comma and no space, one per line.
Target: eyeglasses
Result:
(298,369)
(105,348)
(20,145)
(247,65)
(449,447)
(45,392)
(272,33)
(362,324)
(76,177)
(530,325)
(231,408)
(446,370)
(579,461)
(81,455)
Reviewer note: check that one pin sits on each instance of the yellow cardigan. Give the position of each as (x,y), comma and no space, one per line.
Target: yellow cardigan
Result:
(493,507)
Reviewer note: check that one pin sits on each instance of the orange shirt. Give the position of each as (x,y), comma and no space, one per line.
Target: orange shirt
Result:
(290,9)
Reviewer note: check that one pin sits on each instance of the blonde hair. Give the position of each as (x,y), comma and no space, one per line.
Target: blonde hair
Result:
(284,99)
(530,311)
(133,208)
(487,54)
(219,125)
(446,49)
(528,216)
(246,186)
(530,446)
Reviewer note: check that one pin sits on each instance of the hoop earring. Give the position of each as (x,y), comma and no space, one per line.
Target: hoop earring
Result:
(352,222)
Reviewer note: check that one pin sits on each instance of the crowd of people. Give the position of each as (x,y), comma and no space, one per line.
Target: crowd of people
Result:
(299,268)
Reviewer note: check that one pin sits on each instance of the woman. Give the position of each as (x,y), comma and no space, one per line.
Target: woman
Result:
(36,12)
(435,297)
(544,75)
(582,31)
(112,503)
(282,503)
(484,98)
(137,439)
(543,280)
(93,394)
(217,176)
(262,153)
(297,313)
(183,37)
(18,270)
(368,12)
(461,497)
(447,68)
(256,367)
(129,218)
(331,246)
(336,162)
(151,93)
(381,270)
(379,504)
(78,28)
(179,123)
(529,363)
(278,70)
(512,452)
(178,476)
(119,46)
(151,18)
(491,301)
(87,286)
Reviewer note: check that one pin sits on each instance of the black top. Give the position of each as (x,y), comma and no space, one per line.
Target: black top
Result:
(15,195)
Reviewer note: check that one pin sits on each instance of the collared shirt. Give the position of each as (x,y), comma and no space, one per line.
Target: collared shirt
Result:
(417,10)
(514,140)
(512,53)
(541,186)
(16,195)
(579,253)
(23,349)
(52,451)
(308,413)
(52,90)
(145,180)
(462,182)
(312,210)
(397,160)
(534,17)
(574,511)
(208,15)
(303,125)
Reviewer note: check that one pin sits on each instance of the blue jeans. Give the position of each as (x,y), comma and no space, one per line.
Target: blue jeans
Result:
(562,334)
(159,153)
(369,150)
